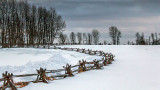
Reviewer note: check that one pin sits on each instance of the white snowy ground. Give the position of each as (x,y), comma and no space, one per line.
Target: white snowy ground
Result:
(134,68)
(26,60)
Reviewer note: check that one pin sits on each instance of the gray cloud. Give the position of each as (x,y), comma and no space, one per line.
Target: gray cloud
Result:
(129,16)
(93,9)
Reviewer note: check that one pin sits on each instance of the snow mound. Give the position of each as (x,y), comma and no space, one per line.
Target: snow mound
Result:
(46,58)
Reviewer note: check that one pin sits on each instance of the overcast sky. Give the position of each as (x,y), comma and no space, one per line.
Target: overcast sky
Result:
(130,16)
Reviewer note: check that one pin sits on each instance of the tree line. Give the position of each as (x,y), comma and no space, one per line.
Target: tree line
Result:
(24,24)
(80,38)
(92,38)
(153,39)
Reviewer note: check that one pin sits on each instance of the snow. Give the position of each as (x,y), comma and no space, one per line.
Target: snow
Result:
(18,57)
(27,60)
(134,68)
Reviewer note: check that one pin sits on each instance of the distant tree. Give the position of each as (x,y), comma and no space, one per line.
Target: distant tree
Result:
(140,40)
(0,38)
(118,37)
(153,38)
(159,40)
(115,34)
(73,38)
(89,38)
(149,40)
(156,39)
(137,38)
(79,37)
(84,38)
(105,42)
(128,42)
(62,38)
(96,35)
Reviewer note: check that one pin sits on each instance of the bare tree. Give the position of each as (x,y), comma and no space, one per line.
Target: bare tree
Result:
(73,38)
(22,23)
(96,35)
(159,39)
(62,38)
(118,37)
(105,42)
(89,38)
(153,38)
(115,34)
(79,37)
(140,40)
(156,39)
(149,40)
(137,38)
(84,38)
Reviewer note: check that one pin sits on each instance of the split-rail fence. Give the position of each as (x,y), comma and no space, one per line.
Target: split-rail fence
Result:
(68,70)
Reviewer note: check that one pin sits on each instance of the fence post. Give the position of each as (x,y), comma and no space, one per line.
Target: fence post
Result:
(101,53)
(71,49)
(109,60)
(112,57)
(83,50)
(8,81)
(68,70)
(96,64)
(104,62)
(95,52)
(82,66)
(77,50)
(55,47)
(41,75)
(89,52)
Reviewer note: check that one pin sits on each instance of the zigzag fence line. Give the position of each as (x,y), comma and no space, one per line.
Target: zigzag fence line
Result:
(68,70)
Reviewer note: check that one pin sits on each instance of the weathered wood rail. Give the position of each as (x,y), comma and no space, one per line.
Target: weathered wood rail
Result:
(68,70)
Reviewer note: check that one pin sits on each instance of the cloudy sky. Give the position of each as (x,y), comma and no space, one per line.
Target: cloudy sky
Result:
(130,16)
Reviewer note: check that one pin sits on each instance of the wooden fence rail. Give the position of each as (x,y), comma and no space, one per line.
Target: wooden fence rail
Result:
(68,70)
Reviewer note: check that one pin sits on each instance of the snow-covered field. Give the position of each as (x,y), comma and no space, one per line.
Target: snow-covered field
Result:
(134,68)
(26,61)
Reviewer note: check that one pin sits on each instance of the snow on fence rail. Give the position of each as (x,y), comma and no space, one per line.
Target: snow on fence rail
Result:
(68,69)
